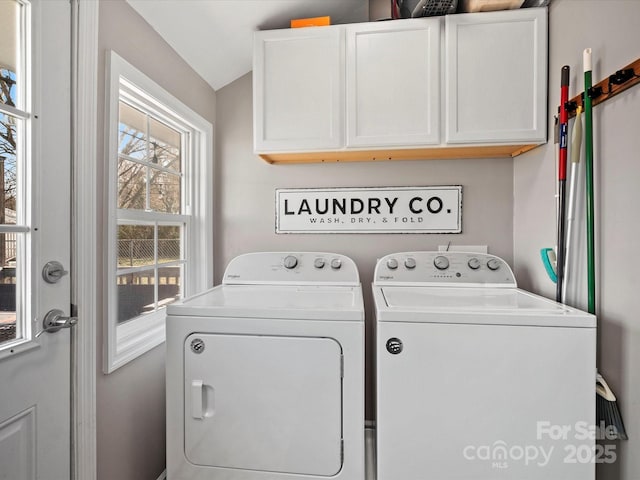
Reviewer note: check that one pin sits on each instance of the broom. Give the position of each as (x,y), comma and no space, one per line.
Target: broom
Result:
(607,411)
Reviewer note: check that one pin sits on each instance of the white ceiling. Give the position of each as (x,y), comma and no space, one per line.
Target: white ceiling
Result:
(216,36)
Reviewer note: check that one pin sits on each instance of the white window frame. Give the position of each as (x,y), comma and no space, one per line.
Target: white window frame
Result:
(127,341)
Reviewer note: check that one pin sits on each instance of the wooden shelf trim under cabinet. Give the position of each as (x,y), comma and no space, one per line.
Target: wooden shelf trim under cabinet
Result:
(490,151)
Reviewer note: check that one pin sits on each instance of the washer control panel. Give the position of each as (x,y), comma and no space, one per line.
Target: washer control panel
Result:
(446,268)
(292,268)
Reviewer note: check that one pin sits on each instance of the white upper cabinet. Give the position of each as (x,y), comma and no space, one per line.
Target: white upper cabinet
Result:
(496,77)
(393,83)
(298,77)
(459,86)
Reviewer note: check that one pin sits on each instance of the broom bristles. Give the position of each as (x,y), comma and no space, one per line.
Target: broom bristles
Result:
(608,414)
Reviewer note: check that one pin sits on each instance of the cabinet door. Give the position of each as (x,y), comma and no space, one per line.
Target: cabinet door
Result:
(298,82)
(393,73)
(496,76)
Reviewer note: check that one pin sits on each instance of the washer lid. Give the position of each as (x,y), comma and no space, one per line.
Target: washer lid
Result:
(496,306)
(275,301)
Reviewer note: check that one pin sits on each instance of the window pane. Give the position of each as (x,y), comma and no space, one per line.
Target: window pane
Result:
(132,185)
(170,283)
(165,145)
(8,252)
(169,243)
(8,167)
(136,294)
(164,192)
(132,128)
(135,246)
(9,52)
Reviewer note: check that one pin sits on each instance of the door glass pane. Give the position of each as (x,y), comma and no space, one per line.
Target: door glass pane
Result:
(9,53)
(11,150)
(135,246)
(9,142)
(8,251)
(164,191)
(136,294)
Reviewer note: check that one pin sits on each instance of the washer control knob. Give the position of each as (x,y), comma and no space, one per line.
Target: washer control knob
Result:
(319,262)
(410,263)
(441,262)
(392,264)
(290,262)
(394,346)
(336,264)
(493,264)
(474,263)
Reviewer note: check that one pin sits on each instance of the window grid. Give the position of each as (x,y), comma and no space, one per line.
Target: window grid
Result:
(15,232)
(149,215)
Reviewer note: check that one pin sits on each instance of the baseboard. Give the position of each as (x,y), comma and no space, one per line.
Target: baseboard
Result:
(163,476)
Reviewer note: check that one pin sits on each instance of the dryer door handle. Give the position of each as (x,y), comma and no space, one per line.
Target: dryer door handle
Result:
(202,400)
(196,399)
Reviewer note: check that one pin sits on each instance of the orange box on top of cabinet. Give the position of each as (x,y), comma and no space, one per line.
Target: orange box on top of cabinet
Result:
(310,22)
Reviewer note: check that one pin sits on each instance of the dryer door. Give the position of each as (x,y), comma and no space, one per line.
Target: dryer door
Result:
(263,403)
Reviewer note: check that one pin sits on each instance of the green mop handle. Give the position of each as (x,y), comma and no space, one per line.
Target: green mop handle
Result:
(588,123)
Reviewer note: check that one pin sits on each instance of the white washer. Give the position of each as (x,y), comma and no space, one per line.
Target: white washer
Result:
(265,373)
(475,377)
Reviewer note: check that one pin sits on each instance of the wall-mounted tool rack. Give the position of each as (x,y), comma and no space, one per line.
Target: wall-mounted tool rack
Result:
(607,88)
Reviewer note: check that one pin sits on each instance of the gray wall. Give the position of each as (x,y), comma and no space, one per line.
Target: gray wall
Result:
(611,30)
(508,205)
(245,198)
(131,401)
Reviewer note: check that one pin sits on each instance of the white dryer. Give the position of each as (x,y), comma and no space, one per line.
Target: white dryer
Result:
(476,378)
(265,373)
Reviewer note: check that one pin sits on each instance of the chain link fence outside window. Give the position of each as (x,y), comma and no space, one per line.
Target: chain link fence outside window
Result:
(137,252)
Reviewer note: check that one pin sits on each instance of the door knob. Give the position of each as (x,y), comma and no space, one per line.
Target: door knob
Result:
(55,320)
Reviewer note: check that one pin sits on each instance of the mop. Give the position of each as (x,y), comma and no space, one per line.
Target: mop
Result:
(576,143)
(607,411)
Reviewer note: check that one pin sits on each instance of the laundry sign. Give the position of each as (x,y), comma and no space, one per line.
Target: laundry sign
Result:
(369,210)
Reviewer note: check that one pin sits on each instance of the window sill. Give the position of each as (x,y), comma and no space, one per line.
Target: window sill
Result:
(135,338)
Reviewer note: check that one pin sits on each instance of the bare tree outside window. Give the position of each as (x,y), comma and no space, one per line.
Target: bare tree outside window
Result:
(13,123)
(8,151)
(149,176)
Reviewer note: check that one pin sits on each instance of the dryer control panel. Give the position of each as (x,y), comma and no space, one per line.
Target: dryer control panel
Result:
(292,268)
(444,268)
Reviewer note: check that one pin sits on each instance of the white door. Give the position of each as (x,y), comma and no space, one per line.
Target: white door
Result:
(34,229)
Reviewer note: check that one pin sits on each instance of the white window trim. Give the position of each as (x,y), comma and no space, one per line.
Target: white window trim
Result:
(129,340)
